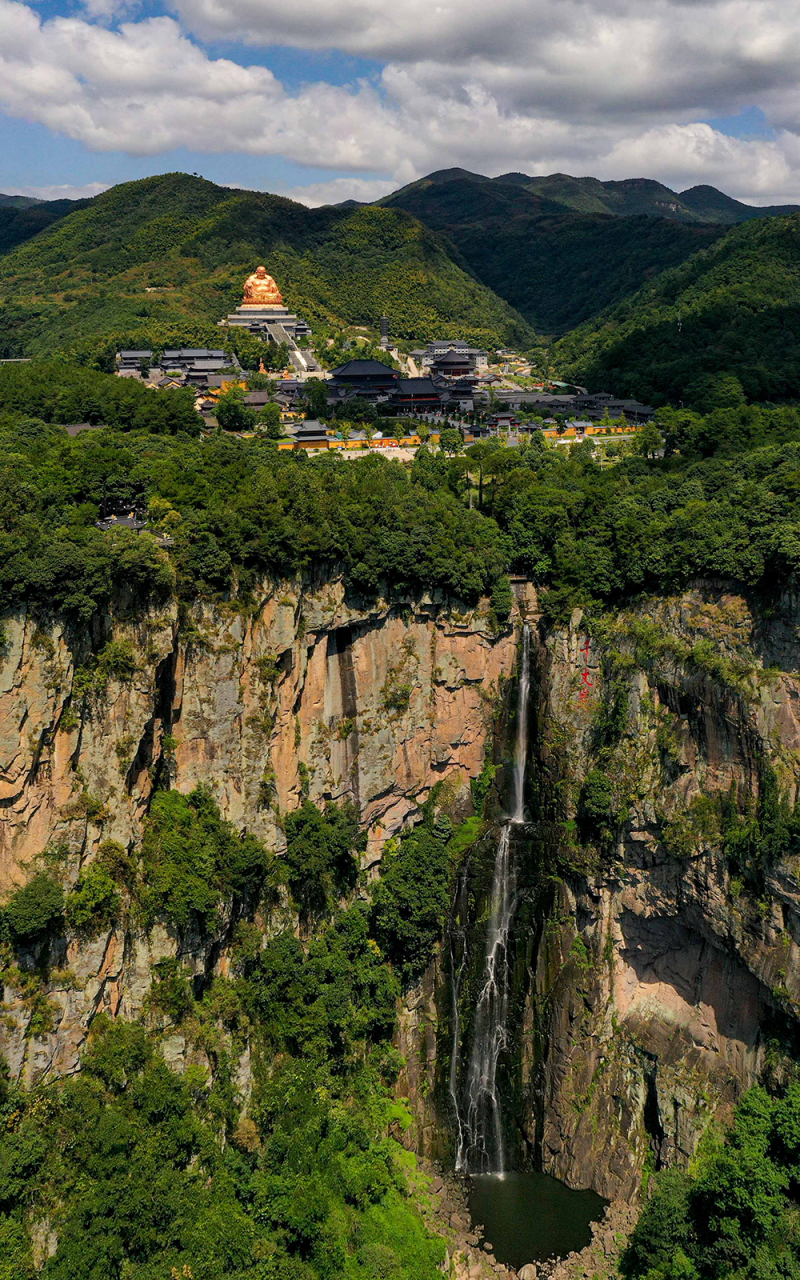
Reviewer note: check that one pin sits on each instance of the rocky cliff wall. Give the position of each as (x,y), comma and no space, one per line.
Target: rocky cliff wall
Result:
(663,962)
(309,693)
(657,973)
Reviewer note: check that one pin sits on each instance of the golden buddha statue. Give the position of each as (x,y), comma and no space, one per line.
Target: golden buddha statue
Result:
(260,290)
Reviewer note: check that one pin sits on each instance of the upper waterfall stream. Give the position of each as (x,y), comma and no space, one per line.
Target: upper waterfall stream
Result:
(480,1141)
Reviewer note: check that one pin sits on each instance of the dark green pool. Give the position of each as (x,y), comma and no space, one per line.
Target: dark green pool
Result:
(528,1217)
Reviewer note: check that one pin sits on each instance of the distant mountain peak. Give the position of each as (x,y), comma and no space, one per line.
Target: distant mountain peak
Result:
(620,197)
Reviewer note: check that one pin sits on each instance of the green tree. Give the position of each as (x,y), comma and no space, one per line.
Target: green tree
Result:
(411,898)
(451,441)
(649,441)
(232,413)
(269,421)
(35,908)
(322,848)
(315,398)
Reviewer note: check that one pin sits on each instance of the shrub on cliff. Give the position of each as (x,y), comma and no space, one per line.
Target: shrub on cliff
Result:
(35,908)
(94,903)
(734,1217)
(322,849)
(597,813)
(411,898)
(192,861)
(328,1000)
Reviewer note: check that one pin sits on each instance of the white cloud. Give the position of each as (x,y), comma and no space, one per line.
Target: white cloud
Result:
(554,57)
(696,153)
(339,189)
(607,87)
(59,192)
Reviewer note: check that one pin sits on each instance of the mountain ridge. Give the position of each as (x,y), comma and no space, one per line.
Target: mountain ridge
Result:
(715,331)
(620,197)
(82,282)
(557,266)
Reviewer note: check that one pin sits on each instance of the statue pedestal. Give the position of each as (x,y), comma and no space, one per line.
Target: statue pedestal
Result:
(263,319)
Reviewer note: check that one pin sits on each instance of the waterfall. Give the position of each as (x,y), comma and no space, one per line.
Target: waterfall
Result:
(522,727)
(480,1143)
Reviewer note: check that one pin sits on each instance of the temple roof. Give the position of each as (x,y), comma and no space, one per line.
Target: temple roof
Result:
(453,357)
(364,369)
(416,386)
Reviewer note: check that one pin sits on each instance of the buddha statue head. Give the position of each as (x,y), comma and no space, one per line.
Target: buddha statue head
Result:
(260,290)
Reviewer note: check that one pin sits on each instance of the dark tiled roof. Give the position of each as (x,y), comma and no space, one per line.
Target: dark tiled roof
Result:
(311,427)
(453,357)
(416,387)
(364,369)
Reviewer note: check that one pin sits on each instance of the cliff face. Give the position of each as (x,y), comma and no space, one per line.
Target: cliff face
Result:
(657,962)
(307,694)
(665,966)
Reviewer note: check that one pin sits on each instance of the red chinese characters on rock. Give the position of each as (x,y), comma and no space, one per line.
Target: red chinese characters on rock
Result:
(586,682)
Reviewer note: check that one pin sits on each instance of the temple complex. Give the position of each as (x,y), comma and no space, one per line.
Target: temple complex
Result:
(263,311)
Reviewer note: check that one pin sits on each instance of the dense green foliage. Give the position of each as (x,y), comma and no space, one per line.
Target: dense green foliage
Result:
(726,507)
(79,287)
(557,267)
(721,503)
(147,1173)
(129,1159)
(321,854)
(412,896)
(713,332)
(192,861)
(62,393)
(735,1217)
(20,224)
(235,508)
(35,908)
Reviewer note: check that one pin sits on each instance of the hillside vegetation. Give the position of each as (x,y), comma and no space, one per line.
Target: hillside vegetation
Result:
(557,266)
(633,196)
(146,1173)
(82,283)
(19,223)
(722,503)
(734,1216)
(236,509)
(717,330)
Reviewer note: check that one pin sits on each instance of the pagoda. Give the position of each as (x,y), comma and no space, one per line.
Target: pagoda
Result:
(262,309)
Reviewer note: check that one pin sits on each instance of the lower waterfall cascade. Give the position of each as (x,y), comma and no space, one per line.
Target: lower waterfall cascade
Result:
(480,1138)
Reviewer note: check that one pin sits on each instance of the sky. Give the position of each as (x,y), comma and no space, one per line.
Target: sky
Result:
(325,100)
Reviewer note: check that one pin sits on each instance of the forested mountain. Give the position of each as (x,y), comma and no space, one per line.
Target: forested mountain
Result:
(555,265)
(21,222)
(20,202)
(646,306)
(623,199)
(643,196)
(83,283)
(718,329)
